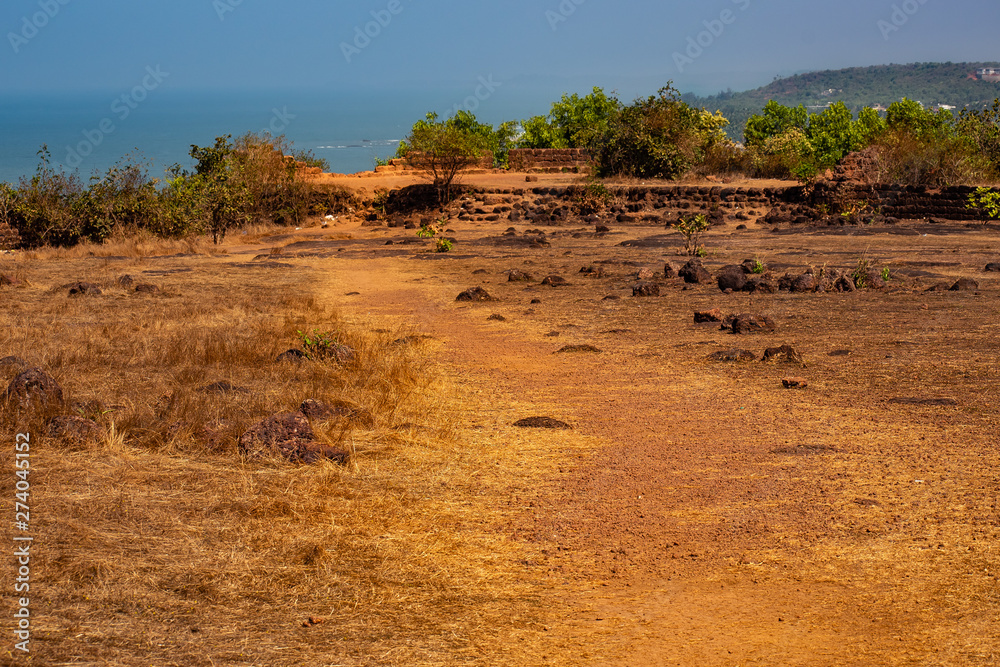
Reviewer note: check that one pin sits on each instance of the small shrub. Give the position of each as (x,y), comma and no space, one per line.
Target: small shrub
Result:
(442,245)
(594,198)
(319,345)
(692,229)
(860,273)
(986,202)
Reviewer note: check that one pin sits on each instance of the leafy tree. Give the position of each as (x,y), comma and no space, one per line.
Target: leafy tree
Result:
(43,208)
(832,134)
(868,127)
(657,137)
(580,120)
(442,149)
(538,132)
(912,118)
(216,194)
(497,141)
(788,154)
(773,121)
(573,122)
(126,198)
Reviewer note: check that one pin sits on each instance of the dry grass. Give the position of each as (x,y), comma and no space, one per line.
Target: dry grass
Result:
(158,545)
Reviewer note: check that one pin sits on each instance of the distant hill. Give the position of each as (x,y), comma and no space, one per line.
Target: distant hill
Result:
(858,87)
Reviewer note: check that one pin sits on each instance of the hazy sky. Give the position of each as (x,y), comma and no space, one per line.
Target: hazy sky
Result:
(625,45)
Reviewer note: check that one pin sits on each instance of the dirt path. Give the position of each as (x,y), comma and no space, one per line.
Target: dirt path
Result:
(723,520)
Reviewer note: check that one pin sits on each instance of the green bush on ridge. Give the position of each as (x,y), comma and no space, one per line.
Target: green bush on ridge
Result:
(234,183)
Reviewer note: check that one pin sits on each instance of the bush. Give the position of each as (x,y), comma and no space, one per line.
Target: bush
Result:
(658,137)
(902,157)
(44,207)
(692,229)
(594,198)
(442,149)
(986,203)
(125,199)
(572,122)
(788,155)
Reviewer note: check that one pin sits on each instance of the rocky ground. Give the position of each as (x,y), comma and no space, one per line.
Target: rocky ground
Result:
(812,482)
(783,452)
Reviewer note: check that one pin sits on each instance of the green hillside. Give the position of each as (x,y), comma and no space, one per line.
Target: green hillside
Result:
(858,87)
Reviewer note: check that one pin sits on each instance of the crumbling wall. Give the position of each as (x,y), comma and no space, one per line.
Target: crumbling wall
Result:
(549,159)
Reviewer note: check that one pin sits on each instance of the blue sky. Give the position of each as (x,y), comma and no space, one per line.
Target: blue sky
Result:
(549,45)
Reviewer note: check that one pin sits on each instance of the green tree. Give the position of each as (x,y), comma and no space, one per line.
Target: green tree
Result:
(125,198)
(869,127)
(579,121)
(657,137)
(572,122)
(215,197)
(538,132)
(442,149)
(920,123)
(832,134)
(773,121)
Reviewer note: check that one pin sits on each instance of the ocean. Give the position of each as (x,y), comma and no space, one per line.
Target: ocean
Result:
(90,132)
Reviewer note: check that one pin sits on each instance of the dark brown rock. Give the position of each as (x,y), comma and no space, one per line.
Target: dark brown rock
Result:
(342,354)
(760,285)
(694,273)
(146,288)
(13,362)
(290,436)
(964,285)
(804,283)
(993,267)
(541,422)
(669,271)
(732,277)
(714,315)
(795,383)
(475,294)
(593,271)
(34,388)
(749,323)
(73,428)
(844,284)
(555,281)
(320,411)
(495,317)
(785,354)
(577,348)
(83,288)
(923,401)
(518,276)
(294,356)
(646,289)
(733,355)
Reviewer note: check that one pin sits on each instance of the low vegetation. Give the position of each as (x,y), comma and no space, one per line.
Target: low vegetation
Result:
(234,184)
(163,546)
(664,137)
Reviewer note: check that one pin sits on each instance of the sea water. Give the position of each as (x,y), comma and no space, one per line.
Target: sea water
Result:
(89,132)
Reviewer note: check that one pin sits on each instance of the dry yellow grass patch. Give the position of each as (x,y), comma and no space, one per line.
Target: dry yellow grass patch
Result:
(157,544)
